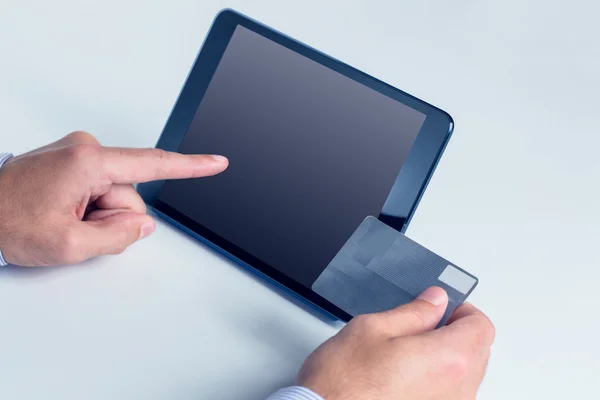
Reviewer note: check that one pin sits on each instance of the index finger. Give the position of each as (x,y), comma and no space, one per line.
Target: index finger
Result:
(123,165)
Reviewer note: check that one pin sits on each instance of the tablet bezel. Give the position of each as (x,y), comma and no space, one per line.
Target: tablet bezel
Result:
(404,195)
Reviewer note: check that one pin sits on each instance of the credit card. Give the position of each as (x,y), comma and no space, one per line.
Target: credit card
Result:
(379,269)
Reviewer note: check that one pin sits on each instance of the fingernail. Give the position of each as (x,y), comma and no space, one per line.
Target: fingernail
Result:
(146,230)
(434,295)
(218,158)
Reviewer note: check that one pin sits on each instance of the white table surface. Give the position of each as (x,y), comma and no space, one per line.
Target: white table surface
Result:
(515,199)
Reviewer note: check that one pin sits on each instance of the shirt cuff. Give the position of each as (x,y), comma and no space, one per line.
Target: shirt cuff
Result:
(4,157)
(295,393)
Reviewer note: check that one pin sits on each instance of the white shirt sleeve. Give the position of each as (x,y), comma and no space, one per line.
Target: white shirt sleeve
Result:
(295,393)
(4,157)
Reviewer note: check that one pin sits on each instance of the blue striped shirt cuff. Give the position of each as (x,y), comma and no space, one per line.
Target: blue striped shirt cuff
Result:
(295,393)
(4,157)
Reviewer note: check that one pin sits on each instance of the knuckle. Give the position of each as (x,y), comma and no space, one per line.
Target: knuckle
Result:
(125,238)
(417,314)
(456,365)
(137,204)
(119,250)
(356,322)
(490,329)
(366,323)
(160,156)
(485,331)
(485,358)
(81,152)
(82,137)
(157,153)
(69,245)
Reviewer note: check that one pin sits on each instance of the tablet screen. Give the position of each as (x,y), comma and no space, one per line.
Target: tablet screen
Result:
(311,151)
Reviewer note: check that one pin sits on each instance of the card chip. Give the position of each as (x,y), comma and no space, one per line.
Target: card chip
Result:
(457,279)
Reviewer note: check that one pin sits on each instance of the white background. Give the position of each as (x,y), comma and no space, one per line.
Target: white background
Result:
(515,199)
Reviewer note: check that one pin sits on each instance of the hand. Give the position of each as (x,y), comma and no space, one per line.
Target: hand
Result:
(397,355)
(73,199)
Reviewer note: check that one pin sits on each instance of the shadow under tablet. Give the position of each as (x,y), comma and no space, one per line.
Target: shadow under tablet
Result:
(379,269)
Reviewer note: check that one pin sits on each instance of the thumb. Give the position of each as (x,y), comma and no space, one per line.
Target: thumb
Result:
(115,232)
(420,315)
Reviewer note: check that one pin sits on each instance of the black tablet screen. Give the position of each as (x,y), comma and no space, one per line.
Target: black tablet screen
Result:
(311,152)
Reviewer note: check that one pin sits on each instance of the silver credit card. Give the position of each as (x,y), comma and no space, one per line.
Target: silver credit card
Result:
(379,268)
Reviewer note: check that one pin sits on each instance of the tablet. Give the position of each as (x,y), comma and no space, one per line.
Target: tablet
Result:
(314,147)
